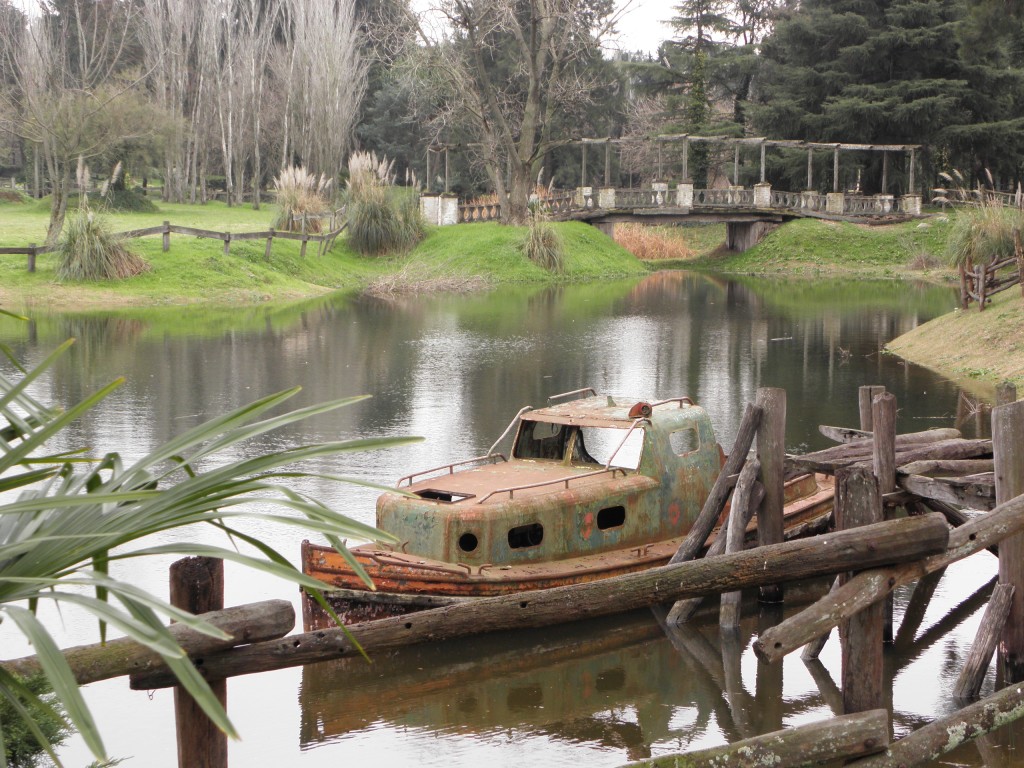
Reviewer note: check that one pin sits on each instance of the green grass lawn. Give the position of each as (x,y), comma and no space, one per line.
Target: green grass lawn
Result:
(196,269)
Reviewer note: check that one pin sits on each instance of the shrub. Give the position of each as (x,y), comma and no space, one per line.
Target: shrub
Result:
(980,234)
(129,200)
(382,218)
(88,250)
(543,246)
(300,194)
(653,243)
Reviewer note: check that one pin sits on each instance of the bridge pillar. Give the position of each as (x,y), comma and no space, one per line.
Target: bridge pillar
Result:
(835,202)
(911,204)
(606,197)
(744,235)
(608,227)
(684,194)
(763,195)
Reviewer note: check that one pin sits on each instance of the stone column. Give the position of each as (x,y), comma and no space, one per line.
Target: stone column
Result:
(763,195)
(606,197)
(429,209)
(684,194)
(807,199)
(911,204)
(660,189)
(884,203)
(449,210)
(834,203)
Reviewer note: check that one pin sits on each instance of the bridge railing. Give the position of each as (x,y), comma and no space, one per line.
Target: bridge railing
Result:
(724,197)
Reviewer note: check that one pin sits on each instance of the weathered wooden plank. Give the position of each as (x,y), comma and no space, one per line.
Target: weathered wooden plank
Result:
(729,611)
(948,467)
(144,232)
(847,736)
(1008,439)
(924,590)
(193,232)
(859,503)
(865,395)
(197,585)
(929,743)
(893,541)
(252,623)
(771,452)
(874,584)
(831,459)
(972,674)
(975,495)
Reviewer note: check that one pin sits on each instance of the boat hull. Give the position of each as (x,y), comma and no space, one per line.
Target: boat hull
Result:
(405,583)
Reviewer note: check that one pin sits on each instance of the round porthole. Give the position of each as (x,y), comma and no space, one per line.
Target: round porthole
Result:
(468,542)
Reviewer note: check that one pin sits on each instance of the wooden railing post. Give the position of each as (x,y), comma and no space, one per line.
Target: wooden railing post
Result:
(31,257)
(197,585)
(227,243)
(865,395)
(858,503)
(883,423)
(266,250)
(1006,393)
(167,236)
(1008,453)
(771,452)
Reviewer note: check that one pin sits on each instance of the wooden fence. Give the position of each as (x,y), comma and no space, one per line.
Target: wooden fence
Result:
(980,282)
(323,240)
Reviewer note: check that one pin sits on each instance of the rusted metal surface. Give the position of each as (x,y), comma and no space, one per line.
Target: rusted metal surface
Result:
(573,503)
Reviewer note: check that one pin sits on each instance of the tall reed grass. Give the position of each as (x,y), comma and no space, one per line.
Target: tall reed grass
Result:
(382,218)
(543,245)
(653,243)
(983,228)
(299,195)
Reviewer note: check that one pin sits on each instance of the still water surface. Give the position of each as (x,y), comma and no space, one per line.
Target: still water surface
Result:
(455,370)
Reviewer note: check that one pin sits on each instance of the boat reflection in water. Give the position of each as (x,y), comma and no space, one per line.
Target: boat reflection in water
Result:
(625,688)
(621,685)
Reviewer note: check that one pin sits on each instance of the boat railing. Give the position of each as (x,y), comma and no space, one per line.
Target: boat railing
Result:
(681,400)
(509,428)
(574,393)
(511,490)
(492,458)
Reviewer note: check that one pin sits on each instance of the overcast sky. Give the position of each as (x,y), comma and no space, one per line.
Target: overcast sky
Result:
(642,26)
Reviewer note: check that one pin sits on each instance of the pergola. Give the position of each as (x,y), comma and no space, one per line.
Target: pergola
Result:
(763,144)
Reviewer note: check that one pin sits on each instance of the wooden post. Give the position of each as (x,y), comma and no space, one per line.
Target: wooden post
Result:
(729,612)
(865,395)
(428,170)
(885,172)
(771,452)
(197,585)
(972,675)
(835,169)
(266,250)
(736,165)
(447,189)
(1006,393)
(762,162)
(583,165)
(858,503)
(1008,453)
(1018,251)
(981,280)
(913,162)
(883,422)
(810,169)
(686,159)
(167,236)
(31,257)
(607,164)
(227,243)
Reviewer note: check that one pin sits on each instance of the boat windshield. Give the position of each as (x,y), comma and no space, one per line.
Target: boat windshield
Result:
(579,445)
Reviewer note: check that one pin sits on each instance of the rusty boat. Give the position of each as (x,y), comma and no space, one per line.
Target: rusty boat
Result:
(594,486)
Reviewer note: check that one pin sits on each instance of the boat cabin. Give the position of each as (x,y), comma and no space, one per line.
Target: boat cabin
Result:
(585,476)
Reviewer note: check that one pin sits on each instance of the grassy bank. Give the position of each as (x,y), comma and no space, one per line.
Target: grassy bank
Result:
(971,345)
(196,270)
(810,248)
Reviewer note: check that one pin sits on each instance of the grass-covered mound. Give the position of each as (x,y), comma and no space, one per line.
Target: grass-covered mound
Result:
(812,247)
(968,344)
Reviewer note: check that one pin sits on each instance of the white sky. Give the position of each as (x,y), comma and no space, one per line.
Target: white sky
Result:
(642,26)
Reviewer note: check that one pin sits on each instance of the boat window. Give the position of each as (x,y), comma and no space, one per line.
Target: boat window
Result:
(597,444)
(450,497)
(611,517)
(684,441)
(526,536)
(468,542)
(541,440)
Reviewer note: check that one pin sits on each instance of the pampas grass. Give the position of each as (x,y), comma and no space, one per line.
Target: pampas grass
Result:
(543,246)
(300,194)
(88,250)
(382,218)
(982,231)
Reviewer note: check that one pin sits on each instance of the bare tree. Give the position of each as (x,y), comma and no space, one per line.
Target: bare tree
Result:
(66,94)
(507,68)
(325,81)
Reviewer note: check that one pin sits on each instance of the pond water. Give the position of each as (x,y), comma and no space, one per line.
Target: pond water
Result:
(455,370)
